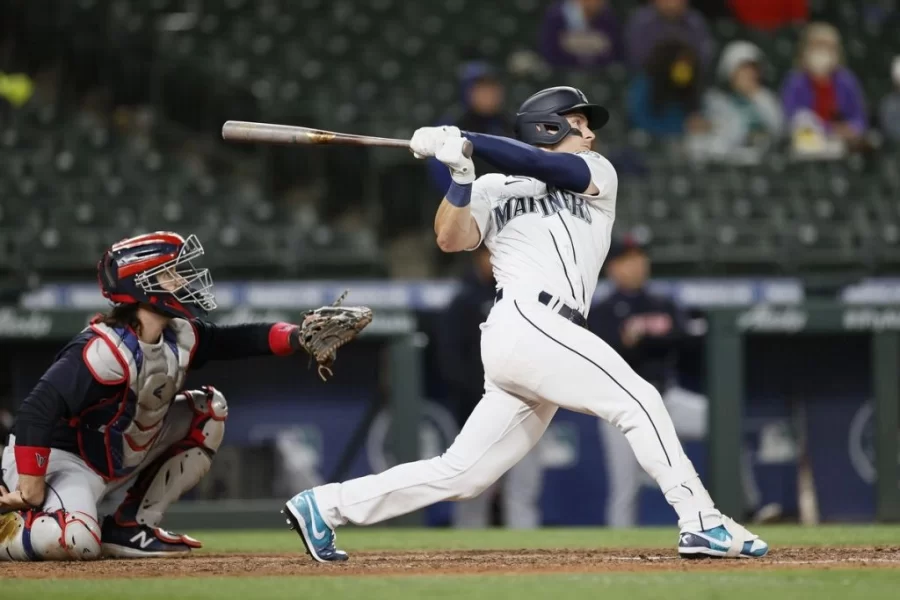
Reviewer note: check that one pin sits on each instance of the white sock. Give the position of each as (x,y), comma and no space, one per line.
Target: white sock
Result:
(692,502)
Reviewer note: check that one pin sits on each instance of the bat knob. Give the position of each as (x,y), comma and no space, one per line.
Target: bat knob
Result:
(468,149)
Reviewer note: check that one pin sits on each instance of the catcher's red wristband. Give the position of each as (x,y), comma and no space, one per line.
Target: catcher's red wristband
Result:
(32,460)
(280,338)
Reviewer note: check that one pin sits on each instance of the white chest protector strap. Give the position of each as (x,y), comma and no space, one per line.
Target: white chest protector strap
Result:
(199,416)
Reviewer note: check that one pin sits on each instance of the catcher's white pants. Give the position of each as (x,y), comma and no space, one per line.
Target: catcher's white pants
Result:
(74,487)
(535,362)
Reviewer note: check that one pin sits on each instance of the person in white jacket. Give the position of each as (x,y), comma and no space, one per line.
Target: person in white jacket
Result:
(746,117)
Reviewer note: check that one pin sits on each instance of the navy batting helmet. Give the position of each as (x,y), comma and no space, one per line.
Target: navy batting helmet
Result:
(541,118)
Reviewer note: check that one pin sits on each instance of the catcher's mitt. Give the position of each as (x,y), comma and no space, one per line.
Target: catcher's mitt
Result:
(326,329)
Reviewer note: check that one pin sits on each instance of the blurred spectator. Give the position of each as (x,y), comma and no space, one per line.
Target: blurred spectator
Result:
(822,98)
(745,117)
(889,112)
(663,20)
(768,15)
(665,99)
(581,33)
(481,111)
(648,331)
(459,351)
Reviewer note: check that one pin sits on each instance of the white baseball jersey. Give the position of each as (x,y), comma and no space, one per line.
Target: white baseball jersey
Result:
(543,237)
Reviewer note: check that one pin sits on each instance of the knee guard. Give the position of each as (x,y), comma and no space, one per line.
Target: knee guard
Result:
(59,535)
(182,466)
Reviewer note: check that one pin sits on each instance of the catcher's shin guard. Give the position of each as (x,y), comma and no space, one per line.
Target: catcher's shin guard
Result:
(36,535)
(181,466)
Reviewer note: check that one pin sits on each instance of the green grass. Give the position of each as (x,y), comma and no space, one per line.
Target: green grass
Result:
(771,585)
(729,585)
(352,538)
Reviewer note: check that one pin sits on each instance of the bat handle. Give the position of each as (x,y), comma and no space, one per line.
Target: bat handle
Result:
(468,149)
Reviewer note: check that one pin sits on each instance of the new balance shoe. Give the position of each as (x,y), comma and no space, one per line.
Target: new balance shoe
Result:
(722,538)
(142,541)
(302,514)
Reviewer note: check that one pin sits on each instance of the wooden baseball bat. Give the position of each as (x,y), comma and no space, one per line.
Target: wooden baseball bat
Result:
(271,133)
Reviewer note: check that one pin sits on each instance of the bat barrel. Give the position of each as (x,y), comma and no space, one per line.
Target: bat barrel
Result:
(244,131)
(271,133)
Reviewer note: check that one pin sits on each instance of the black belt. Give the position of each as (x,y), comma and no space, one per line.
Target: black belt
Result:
(569,314)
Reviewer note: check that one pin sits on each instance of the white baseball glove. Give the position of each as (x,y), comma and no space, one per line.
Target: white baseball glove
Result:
(426,141)
(462,169)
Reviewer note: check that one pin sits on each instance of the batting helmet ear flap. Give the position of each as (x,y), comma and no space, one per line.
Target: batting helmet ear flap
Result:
(542,129)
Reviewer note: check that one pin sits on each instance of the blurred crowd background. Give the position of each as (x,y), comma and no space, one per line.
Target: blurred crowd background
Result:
(750,135)
(753,138)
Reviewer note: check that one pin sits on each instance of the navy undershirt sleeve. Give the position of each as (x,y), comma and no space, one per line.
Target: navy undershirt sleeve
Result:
(229,342)
(65,389)
(558,169)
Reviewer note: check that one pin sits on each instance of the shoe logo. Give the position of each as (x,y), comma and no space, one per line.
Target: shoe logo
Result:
(512,180)
(145,540)
(312,519)
(685,538)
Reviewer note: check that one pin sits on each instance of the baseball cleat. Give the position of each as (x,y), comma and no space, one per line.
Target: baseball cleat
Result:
(303,516)
(142,541)
(727,539)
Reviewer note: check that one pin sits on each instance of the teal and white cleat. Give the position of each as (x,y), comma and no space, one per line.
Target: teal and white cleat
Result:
(302,514)
(726,539)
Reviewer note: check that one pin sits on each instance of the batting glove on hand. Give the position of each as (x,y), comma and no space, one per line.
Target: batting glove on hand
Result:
(426,141)
(462,169)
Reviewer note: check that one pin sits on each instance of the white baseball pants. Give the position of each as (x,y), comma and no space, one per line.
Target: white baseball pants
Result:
(535,362)
(689,412)
(520,490)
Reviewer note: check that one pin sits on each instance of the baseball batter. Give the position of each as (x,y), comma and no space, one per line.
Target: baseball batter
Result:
(547,224)
(110,410)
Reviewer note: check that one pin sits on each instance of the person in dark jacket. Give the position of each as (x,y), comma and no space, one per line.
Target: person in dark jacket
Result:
(480,111)
(659,21)
(665,98)
(581,33)
(459,350)
(648,331)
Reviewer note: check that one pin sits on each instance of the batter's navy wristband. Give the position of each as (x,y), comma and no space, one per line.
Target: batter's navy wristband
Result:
(459,195)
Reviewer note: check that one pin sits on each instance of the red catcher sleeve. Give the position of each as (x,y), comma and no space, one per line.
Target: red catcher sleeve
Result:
(280,338)
(32,460)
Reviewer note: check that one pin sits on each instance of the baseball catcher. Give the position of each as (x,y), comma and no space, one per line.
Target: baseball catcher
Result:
(111,412)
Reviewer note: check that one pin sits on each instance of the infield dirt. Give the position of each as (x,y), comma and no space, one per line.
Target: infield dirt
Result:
(467,562)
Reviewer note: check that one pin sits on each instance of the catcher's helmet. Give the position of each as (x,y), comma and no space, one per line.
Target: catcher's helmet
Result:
(547,109)
(157,269)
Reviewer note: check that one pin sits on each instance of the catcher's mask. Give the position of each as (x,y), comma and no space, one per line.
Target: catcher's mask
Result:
(158,269)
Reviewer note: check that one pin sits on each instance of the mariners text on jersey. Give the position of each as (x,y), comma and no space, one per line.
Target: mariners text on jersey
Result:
(547,205)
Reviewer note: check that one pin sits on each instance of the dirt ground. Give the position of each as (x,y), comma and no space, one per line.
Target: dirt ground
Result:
(455,563)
